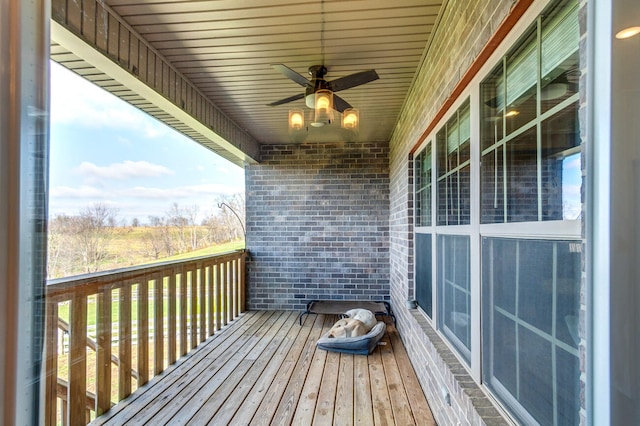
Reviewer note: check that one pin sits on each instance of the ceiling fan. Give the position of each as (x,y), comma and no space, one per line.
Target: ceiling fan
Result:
(318,82)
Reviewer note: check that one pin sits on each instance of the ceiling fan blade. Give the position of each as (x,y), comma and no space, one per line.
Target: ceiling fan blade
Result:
(340,104)
(353,80)
(287,100)
(291,74)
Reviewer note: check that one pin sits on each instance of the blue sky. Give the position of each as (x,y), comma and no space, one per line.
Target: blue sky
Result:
(104,150)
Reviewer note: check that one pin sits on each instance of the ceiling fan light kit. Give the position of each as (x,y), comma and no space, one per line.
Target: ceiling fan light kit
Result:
(320,96)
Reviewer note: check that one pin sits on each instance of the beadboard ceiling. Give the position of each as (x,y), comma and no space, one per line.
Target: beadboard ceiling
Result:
(226,48)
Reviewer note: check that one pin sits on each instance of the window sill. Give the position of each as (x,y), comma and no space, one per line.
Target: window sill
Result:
(467,399)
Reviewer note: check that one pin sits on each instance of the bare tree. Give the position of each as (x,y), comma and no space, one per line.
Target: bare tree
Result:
(191,214)
(59,256)
(91,234)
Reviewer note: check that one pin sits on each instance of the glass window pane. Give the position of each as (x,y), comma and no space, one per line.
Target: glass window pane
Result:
(441,150)
(561,166)
(559,49)
(505,349)
(454,286)
(453,173)
(423,272)
(492,108)
(423,187)
(535,283)
(568,292)
(522,75)
(535,381)
(536,373)
(568,388)
(492,186)
(464,205)
(522,178)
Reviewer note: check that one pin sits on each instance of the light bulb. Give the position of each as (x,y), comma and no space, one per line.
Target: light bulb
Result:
(296,120)
(322,104)
(627,32)
(350,120)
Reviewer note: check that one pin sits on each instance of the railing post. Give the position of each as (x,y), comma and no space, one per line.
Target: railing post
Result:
(77,391)
(243,282)
(51,363)
(103,355)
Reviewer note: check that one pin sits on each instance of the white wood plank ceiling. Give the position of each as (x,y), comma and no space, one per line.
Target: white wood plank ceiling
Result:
(225,48)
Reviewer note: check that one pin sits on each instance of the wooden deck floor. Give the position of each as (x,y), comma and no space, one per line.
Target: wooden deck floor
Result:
(265,369)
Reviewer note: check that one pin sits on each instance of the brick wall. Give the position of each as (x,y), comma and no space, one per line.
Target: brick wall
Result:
(318,224)
(469,26)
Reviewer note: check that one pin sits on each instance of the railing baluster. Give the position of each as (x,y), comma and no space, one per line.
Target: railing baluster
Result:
(224,293)
(172,315)
(228,286)
(183,313)
(51,359)
(143,331)
(202,302)
(158,325)
(124,346)
(103,352)
(234,289)
(210,304)
(77,389)
(218,297)
(193,291)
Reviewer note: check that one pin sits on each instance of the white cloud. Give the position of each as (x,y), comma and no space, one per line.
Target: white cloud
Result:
(125,170)
(76,101)
(190,191)
(81,192)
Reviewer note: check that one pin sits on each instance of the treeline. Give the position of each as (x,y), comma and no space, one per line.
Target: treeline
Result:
(97,239)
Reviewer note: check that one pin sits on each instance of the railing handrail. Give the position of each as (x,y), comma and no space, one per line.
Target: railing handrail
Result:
(87,282)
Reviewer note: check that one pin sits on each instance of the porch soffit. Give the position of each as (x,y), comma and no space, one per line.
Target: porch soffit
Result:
(203,67)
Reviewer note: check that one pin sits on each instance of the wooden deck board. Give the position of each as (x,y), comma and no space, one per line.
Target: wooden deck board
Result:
(265,369)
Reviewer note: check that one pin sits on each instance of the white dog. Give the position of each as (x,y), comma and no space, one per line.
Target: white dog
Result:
(347,327)
(367,317)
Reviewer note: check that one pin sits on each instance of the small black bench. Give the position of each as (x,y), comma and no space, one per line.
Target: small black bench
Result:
(339,307)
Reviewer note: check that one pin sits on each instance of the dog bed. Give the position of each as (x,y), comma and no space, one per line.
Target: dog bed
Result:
(339,307)
(361,345)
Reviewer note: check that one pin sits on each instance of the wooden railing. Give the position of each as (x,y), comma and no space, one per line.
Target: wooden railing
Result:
(140,317)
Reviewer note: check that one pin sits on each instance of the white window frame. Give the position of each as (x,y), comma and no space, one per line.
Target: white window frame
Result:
(561,229)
